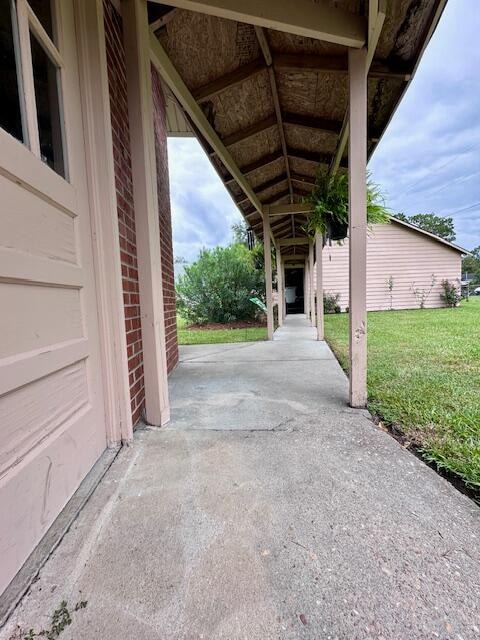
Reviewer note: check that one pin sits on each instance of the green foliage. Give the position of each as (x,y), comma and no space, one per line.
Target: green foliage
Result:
(240,233)
(424,377)
(61,619)
(217,287)
(451,295)
(330,303)
(440,226)
(330,199)
(471,265)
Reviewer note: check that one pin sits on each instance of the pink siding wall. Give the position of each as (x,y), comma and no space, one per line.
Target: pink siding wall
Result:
(394,250)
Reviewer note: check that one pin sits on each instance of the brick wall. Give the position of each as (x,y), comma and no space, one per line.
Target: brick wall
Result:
(126,213)
(165,218)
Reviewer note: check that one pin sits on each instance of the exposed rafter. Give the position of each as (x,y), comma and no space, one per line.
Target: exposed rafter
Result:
(170,75)
(305,180)
(334,64)
(262,162)
(319,20)
(288,209)
(248,132)
(278,196)
(309,122)
(235,77)
(290,242)
(263,42)
(310,156)
(268,184)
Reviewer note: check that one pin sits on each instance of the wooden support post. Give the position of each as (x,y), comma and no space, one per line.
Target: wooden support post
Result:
(311,270)
(140,112)
(357,155)
(306,290)
(280,288)
(268,275)
(319,267)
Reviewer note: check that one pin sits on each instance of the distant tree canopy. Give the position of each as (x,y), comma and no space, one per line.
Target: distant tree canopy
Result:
(471,265)
(219,285)
(438,225)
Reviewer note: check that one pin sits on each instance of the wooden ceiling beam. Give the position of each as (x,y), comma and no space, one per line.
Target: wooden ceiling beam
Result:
(311,156)
(305,180)
(288,209)
(248,132)
(290,242)
(261,162)
(264,186)
(319,20)
(232,79)
(295,62)
(264,46)
(310,122)
(278,196)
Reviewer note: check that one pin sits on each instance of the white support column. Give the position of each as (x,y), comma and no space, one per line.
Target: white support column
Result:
(140,112)
(104,217)
(357,162)
(268,274)
(311,270)
(319,267)
(280,288)
(306,290)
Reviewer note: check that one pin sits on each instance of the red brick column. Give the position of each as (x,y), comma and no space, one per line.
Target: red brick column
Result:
(165,217)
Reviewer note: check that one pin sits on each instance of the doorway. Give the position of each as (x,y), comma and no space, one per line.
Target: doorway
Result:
(294,294)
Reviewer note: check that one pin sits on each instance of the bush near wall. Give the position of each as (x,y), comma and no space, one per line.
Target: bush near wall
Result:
(219,285)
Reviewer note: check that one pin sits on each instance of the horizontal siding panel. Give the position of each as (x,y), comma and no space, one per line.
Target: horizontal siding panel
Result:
(408,256)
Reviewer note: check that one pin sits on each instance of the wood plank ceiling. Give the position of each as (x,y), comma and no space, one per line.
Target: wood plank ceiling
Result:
(278,101)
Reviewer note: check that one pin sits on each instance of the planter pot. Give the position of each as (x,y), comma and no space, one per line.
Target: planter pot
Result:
(337,230)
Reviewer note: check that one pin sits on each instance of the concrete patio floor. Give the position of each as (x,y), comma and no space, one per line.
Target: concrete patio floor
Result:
(267,509)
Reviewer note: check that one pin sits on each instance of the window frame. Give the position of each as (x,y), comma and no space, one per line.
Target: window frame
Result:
(28,24)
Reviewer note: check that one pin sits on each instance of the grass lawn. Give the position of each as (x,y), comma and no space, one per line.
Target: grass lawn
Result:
(424,377)
(216,336)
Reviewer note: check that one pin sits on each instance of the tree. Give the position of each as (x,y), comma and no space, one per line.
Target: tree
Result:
(219,285)
(440,226)
(471,265)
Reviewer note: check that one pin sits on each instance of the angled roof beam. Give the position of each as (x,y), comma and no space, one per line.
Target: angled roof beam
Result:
(170,75)
(377,12)
(321,124)
(319,20)
(334,64)
(235,77)
(264,46)
(252,130)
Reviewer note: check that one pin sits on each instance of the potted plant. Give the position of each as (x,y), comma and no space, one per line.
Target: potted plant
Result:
(330,212)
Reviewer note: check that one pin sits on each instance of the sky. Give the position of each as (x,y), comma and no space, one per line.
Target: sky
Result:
(428,161)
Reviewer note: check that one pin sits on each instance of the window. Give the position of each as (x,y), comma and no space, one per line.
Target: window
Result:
(31,79)
(10,113)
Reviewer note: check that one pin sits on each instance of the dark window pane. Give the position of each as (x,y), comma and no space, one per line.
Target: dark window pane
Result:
(43,10)
(45,76)
(10,114)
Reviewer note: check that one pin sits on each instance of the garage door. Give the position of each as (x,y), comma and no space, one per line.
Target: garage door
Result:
(51,404)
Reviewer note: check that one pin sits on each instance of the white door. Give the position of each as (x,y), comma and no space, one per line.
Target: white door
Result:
(51,401)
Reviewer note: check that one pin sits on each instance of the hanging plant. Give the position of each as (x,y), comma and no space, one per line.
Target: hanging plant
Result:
(330,212)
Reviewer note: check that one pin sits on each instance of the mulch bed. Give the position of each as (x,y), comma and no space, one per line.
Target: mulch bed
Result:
(238,324)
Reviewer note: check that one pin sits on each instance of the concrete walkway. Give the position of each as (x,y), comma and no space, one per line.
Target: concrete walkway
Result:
(267,510)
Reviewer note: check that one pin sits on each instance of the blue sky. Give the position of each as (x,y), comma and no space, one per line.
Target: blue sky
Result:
(427,161)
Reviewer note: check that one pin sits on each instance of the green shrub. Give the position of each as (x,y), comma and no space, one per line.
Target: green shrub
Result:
(330,303)
(451,295)
(219,285)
